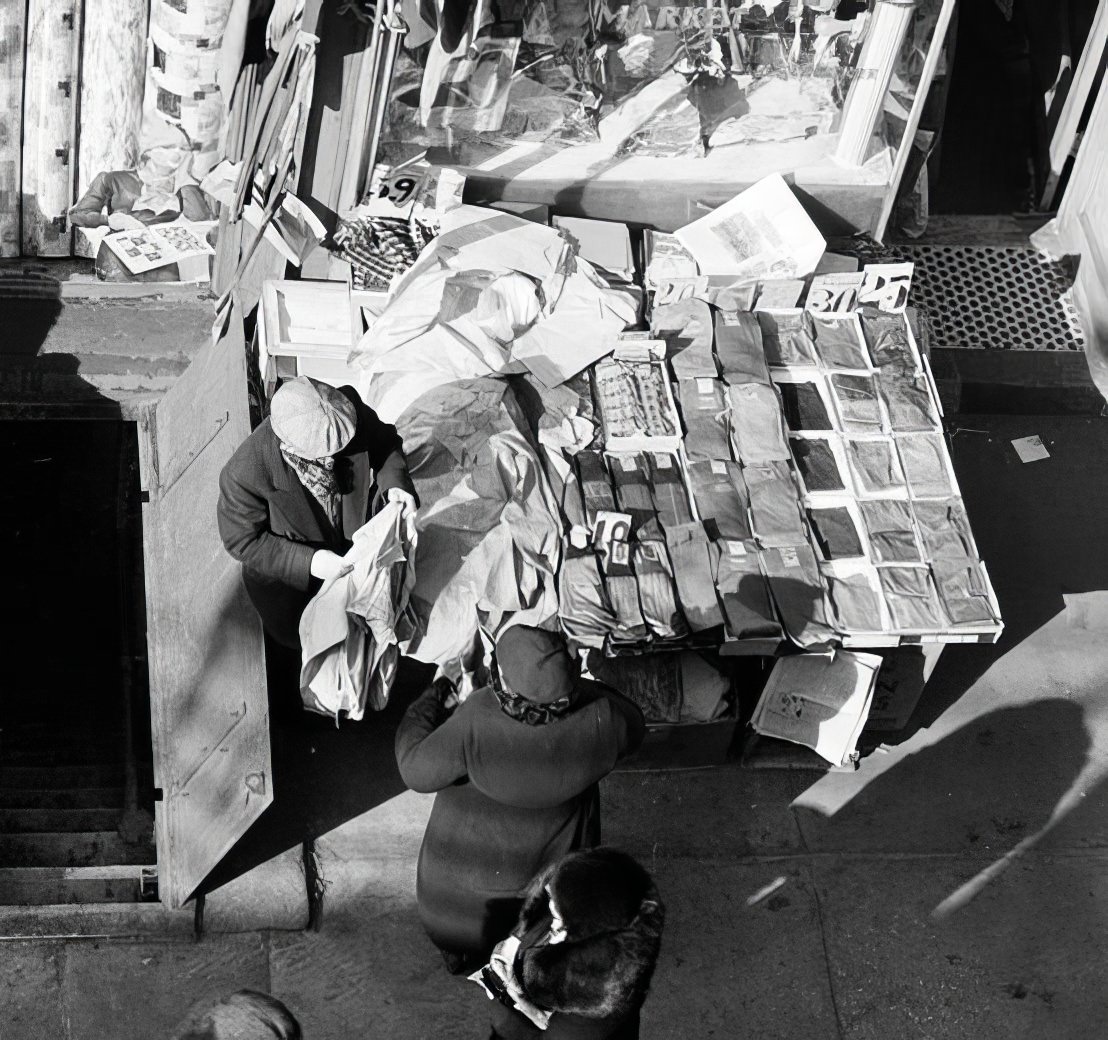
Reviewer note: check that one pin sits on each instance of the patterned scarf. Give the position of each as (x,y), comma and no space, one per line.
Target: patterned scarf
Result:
(318,476)
(521,709)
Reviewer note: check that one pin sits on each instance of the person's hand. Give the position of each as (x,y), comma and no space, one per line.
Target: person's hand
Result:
(405,498)
(124,222)
(328,565)
(446,692)
(408,510)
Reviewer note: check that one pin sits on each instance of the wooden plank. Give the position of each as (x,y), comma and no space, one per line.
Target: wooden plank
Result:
(113,75)
(13,14)
(49,125)
(209,706)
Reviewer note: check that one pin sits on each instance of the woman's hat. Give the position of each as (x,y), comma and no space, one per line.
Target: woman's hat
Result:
(536,664)
(311,419)
(598,889)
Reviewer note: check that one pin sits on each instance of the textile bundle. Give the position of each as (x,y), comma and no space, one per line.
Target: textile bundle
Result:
(491,296)
(353,627)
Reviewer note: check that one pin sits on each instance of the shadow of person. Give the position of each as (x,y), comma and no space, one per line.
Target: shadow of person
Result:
(959,868)
(981,789)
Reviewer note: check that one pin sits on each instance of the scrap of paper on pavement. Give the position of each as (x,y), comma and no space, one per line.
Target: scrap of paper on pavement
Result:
(1030,449)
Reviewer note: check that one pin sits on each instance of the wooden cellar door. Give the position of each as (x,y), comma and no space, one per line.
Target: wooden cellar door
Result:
(209,705)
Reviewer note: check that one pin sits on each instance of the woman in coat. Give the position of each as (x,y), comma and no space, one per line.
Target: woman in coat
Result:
(516,769)
(297,489)
(579,962)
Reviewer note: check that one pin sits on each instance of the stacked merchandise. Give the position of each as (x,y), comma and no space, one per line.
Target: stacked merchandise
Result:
(896,553)
(804,489)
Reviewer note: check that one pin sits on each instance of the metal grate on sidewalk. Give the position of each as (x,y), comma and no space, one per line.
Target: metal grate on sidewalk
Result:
(993,297)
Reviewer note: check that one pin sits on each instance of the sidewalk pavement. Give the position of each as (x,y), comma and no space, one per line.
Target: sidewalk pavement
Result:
(955,886)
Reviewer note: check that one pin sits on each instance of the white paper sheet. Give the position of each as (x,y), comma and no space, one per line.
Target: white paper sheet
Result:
(819,701)
(761,233)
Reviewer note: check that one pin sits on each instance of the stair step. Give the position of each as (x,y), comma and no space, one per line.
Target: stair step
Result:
(65,821)
(78,849)
(52,886)
(61,777)
(86,755)
(83,798)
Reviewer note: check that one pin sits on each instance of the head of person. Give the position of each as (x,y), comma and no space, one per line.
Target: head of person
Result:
(593,925)
(594,891)
(537,675)
(245,1015)
(312,420)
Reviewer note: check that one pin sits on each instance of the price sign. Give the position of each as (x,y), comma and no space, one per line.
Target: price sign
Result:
(886,286)
(674,290)
(394,194)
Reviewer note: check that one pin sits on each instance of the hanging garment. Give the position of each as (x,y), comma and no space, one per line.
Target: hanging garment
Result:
(743,592)
(924,459)
(722,499)
(876,466)
(586,613)
(891,533)
(963,591)
(774,504)
(787,338)
(704,409)
(945,529)
(742,358)
(671,499)
(838,345)
(794,583)
(351,627)
(692,572)
(911,598)
(657,596)
(757,432)
(816,463)
(687,329)
(836,533)
(804,407)
(857,401)
(855,601)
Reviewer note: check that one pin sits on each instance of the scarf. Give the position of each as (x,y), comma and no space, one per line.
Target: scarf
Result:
(518,707)
(319,477)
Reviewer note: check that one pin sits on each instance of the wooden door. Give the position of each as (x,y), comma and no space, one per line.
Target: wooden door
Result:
(51,92)
(209,705)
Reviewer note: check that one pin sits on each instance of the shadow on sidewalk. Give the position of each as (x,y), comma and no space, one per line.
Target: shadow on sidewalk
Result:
(1039,529)
(323,775)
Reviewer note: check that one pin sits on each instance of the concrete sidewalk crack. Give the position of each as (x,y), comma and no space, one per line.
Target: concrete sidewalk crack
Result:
(826,957)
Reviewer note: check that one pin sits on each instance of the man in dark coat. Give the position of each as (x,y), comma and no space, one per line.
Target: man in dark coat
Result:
(297,489)
(516,769)
(582,955)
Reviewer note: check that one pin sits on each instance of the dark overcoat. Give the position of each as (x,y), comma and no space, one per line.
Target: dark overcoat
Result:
(273,525)
(511,799)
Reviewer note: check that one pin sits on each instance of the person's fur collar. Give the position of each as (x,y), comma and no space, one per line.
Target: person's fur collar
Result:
(606,975)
